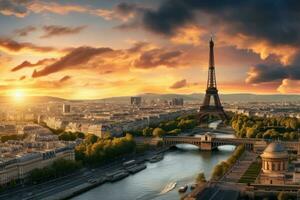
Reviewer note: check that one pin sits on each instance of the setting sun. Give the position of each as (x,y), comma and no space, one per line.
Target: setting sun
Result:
(18,95)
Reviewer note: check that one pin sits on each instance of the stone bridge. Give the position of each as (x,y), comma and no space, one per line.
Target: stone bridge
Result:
(210,142)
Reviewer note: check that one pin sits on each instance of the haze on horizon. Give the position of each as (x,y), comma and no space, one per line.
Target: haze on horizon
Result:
(97,49)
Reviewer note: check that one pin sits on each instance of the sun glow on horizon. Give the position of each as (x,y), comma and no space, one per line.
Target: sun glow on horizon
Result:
(18,95)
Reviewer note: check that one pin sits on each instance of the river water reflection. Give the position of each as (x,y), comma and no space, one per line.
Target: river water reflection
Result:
(180,166)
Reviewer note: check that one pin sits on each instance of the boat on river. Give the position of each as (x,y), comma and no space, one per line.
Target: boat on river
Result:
(183,189)
(156,158)
(136,168)
(117,175)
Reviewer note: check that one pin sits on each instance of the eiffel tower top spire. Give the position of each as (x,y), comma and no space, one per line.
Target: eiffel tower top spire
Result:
(211,53)
(211,81)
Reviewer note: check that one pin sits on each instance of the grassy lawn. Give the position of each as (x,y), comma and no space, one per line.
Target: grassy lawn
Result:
(251,173)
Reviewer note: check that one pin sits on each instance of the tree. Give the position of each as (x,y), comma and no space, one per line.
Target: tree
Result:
(225,166)
(201,178)
(187,124)
(147,131)
(91,138)
(267,134)
(104,149)
(175,131)
(67,136)
(58,168)
(158,132)
(217,171)
(251,132)
(80,135)
(168,126)
(293,123)
(259,135)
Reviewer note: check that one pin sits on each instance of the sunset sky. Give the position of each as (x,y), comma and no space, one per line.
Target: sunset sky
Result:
(96,49)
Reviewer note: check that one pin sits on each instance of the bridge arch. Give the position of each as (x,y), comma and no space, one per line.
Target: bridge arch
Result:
(207,141)
(171,143)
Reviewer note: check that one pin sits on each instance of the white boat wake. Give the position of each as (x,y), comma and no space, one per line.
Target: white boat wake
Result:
(168,187)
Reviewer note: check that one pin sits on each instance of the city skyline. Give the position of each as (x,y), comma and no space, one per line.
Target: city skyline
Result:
(94,50)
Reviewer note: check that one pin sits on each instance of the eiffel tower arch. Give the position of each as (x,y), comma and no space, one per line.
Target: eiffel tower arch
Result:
(211,94)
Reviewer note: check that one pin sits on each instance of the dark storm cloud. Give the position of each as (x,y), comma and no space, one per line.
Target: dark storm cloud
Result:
(121,11)
(78,56)
(179,84)
(54,30)
(274,21)
(157,57)
(270,72)
(126,9)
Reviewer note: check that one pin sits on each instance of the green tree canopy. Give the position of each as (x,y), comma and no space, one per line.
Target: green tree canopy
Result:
(158,132)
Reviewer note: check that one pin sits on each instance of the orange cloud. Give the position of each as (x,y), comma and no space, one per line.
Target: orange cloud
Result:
(53,7)
(10,7)
(190,34)
(27,64)
(25,30)
(259,46)
(22,78)
(289,86)
(76,57)
(179,84)
(55,30)
(122,11)
(106,60)
(13,47)
(158,57)
(64,79)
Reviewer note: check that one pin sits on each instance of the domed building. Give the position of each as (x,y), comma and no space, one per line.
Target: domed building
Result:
(274,164)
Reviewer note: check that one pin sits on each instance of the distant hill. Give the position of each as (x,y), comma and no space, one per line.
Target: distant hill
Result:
(151,96)
(259,97)
(162,97)
(33,99)
(200,96)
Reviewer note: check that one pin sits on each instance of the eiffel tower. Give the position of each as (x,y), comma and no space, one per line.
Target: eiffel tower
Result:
(211,91)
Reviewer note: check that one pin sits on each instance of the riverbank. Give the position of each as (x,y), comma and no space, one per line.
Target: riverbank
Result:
(69,186)
(126,171)
(109,177)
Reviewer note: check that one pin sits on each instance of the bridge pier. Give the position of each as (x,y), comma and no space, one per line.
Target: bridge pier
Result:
(208,146)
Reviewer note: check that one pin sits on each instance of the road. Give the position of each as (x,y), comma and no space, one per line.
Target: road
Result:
(219,192)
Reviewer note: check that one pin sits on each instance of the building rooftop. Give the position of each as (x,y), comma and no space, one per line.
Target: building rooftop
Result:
(275,150)
(275,147)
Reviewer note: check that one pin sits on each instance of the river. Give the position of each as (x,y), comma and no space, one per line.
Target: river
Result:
(180,166)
